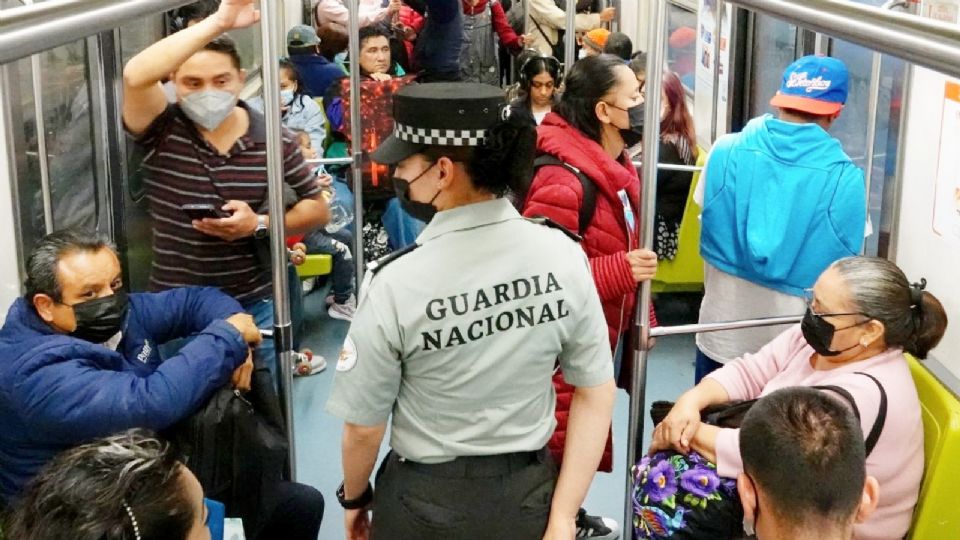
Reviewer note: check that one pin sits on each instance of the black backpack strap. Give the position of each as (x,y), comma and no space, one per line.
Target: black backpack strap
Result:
(589,205)
(877,429)
(842,392)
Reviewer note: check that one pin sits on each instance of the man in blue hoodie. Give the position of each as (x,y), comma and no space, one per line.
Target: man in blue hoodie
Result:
(317,72)
(79,357)
(781,201)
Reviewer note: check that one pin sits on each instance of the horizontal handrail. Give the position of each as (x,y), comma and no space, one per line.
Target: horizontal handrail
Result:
(716,327)
(672,167)
(925,42)
(38,27)
(330,161)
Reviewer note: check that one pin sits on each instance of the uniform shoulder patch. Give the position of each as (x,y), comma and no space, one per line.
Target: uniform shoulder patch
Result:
(378,265)
(545,221)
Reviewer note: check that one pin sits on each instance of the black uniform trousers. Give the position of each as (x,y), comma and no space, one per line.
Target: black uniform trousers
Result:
(504,496)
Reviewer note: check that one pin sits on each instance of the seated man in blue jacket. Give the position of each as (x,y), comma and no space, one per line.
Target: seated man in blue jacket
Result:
(79,360)
(781,202)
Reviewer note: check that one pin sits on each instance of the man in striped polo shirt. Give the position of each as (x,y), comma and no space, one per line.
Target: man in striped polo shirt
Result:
(210,148)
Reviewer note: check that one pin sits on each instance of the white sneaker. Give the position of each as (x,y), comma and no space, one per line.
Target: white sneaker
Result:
(329,300)
(307,363)
(343,311)
(308,285)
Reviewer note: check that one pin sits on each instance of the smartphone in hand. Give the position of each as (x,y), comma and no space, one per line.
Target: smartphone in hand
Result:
(204,210)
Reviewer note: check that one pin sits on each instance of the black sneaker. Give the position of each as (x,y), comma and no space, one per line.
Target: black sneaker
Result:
(596,527)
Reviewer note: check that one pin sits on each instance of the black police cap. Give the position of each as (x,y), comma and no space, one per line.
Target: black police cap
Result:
(441,114)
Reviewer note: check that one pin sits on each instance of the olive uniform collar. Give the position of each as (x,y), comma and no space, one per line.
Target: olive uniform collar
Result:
(469,216)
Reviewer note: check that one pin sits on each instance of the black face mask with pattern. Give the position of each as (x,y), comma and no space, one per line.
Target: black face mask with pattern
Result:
(418,210)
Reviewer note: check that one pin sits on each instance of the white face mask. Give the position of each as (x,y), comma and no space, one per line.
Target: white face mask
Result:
(582,54)
(208,108)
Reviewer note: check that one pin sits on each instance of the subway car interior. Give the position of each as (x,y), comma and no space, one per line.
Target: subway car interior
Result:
(68,160)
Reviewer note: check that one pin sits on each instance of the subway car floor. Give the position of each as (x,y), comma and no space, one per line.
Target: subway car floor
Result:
(317,433)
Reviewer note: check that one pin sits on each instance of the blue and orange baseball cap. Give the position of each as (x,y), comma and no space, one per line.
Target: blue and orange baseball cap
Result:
(815,85)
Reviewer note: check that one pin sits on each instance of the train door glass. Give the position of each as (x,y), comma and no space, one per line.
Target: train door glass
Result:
(774,48)
(66,129)
(682,42)
(851,129)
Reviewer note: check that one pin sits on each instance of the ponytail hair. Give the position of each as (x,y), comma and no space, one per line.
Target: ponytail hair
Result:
(503,163)
(913,318)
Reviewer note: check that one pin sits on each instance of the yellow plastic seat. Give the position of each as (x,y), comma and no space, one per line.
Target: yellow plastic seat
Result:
(315,265)
(685,272)
(936,516)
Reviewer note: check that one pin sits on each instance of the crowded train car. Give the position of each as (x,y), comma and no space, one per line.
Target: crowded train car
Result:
(479,269)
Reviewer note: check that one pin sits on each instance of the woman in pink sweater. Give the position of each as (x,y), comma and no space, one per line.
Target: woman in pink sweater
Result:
(862,316)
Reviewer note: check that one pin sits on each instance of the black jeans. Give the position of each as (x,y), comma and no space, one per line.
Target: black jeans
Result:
(293,512)
(503,496)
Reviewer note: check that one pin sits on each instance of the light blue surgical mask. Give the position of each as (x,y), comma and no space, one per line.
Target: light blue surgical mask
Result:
(286,97)
(208,108)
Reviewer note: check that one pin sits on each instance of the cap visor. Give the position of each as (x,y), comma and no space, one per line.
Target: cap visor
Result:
(807,105)
(393,151)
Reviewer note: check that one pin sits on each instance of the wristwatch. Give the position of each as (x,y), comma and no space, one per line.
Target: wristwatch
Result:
(261,230)
(355,504)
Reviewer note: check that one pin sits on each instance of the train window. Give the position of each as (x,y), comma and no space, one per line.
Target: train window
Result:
(65,127)
(775,47)
(682,42)
(249,45)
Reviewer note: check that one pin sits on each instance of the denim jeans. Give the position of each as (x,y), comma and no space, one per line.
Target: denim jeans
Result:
(705,366)
(402,229)
(339,245)
(265,354)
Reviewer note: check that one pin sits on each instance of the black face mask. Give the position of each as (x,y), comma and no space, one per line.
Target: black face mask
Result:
(418,210)
(100,319)
(633,135)
(819,333)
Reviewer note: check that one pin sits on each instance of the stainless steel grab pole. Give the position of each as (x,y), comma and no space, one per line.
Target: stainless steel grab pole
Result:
(717,32)
(356,139)
(672,167)
(641,328)
(720,326)
(571,37)
(922,41)
(330,161)
(46,25)
(271,21)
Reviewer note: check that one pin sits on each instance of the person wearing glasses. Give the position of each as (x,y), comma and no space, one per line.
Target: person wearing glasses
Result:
(862,316)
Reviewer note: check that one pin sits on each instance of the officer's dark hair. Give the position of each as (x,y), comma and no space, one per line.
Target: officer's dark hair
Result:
(225,44)
(503,164)
(333,39)
(43,261)
(619,44)
(588,81)
(801,432)
(97,490)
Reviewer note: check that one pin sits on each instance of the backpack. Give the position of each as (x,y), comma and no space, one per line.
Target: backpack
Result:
(236,446)
(589,205)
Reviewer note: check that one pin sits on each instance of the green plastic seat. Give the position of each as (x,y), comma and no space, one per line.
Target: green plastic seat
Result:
(936,516)
(685,272)
(315,265)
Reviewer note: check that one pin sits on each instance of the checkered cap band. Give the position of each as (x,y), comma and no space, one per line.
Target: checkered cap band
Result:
(440,137)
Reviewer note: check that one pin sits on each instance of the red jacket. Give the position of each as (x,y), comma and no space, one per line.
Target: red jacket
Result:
(556,193)
(501,25)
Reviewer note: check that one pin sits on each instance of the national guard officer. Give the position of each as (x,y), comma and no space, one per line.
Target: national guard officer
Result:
(458,337)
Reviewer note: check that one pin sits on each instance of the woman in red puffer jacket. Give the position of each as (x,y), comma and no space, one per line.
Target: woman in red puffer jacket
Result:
(584,131)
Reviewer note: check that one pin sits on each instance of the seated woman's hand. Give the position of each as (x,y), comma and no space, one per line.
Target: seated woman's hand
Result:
(677,429)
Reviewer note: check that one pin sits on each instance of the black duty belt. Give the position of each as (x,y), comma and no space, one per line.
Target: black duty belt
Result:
(477,466)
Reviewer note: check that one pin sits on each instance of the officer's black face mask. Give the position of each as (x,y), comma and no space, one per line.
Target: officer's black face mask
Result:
(418,210)
(100,319)
(819,333)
